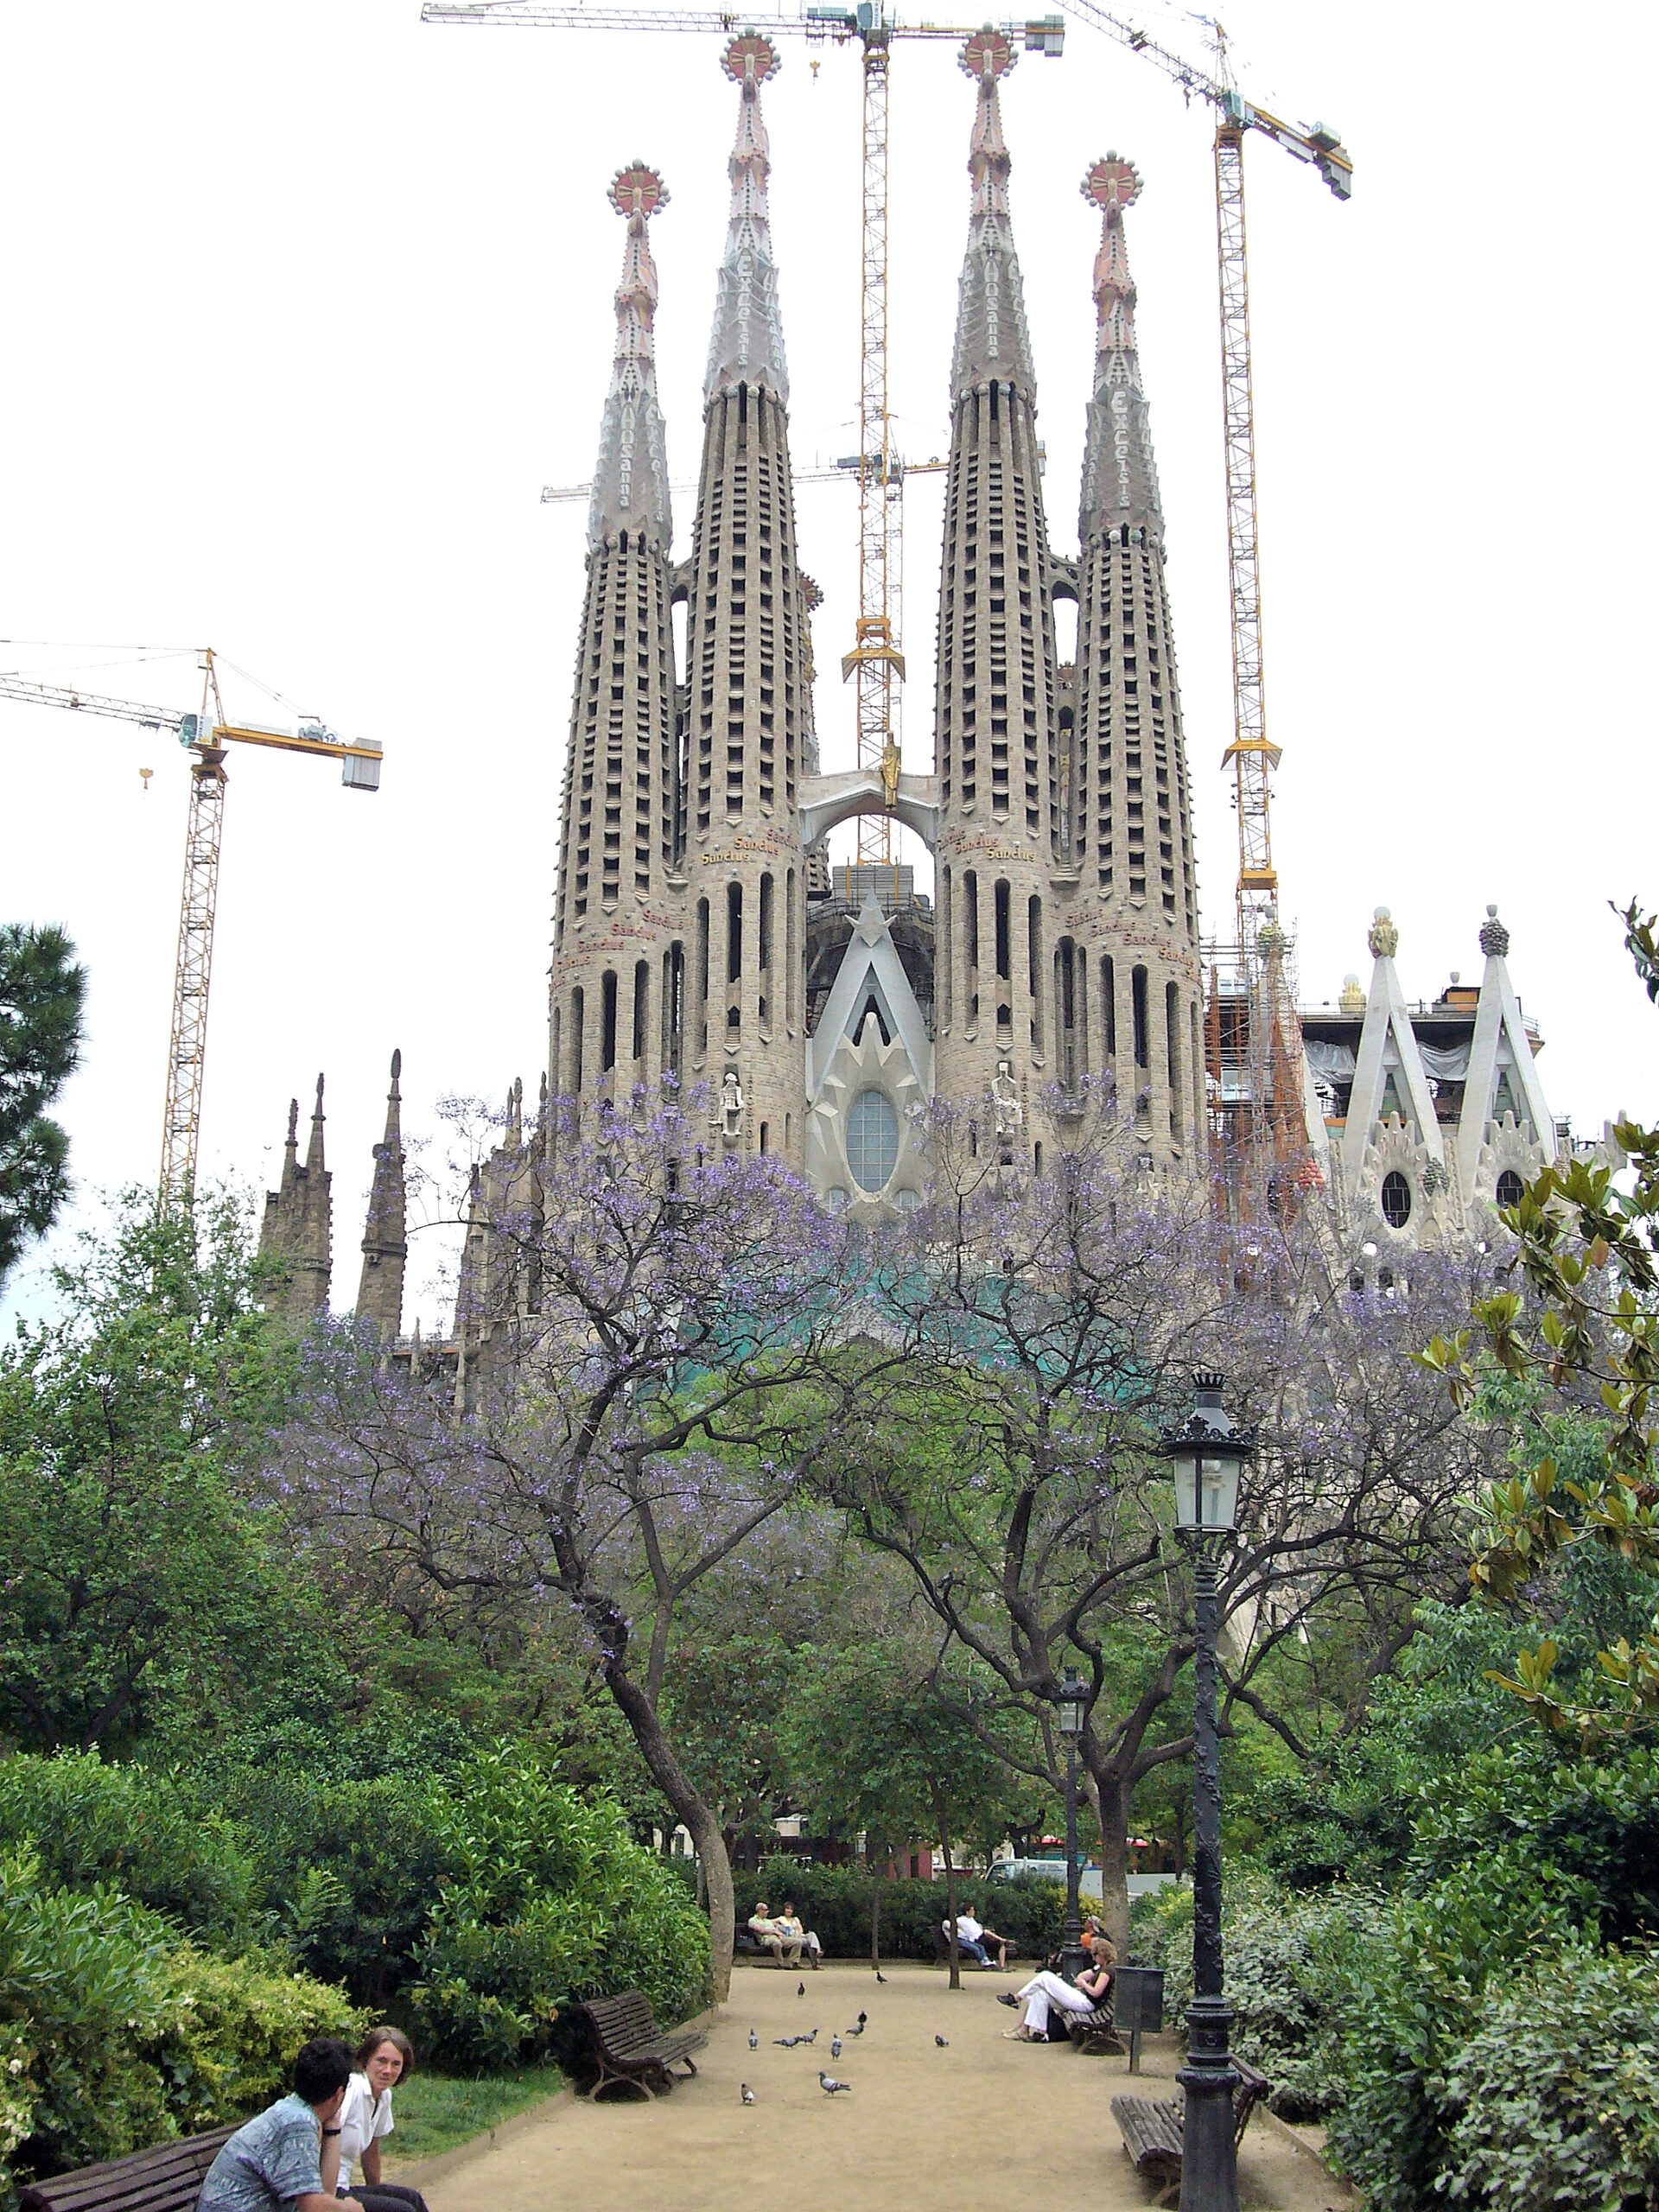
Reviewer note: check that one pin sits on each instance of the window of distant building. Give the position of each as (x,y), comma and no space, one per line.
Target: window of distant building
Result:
(1510,1188)
(872,1139)
(1396,1199)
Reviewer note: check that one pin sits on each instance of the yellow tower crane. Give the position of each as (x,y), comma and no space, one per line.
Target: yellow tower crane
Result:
(876,661)
(205,734)
(1254,1050)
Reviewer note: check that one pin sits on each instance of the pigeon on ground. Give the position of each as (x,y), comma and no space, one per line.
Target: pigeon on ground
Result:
(747,2093)
(786,2043)
(859,2030)
(879,1975)
(834,2045)
(754,2040)
(811,2038)
(829,2084)
(944,2042)
(800,1989)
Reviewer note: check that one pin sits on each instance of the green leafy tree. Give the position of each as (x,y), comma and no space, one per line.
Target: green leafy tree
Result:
(881,1749)
(41,992)
(1583,1327)
(134,1572)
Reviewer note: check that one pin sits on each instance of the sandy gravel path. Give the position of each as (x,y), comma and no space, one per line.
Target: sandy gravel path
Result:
(984,2125)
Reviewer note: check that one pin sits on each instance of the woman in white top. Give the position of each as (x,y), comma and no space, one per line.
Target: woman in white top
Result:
(384,2056)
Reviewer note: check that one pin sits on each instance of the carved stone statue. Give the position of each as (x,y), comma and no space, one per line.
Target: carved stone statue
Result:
(890,775)
(731,1105)
(1008,1112)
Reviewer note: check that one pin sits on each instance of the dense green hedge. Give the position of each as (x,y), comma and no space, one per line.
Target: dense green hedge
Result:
(114,2034)
(474,1904)
(834,1902)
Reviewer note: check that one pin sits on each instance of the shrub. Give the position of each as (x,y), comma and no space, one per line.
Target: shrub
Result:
(89,1820)
(350,1870)
(1292,1962)
(121,2036)
(1418,2002)
(552,1902)
(227,2030)
(1557,2091)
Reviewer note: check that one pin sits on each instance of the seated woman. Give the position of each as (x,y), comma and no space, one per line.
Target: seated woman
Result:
(785,1949)
(1048,1992)
(789,1926)
(384,2056)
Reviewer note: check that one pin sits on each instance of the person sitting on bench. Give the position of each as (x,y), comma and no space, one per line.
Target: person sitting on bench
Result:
(1048,1992)
(785,1949)
(788,1926)
(972,1937)
(287,2159)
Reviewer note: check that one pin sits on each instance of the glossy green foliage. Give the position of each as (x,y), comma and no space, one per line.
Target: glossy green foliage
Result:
(1585,1324)
(550,1901)
(122,2035)
(1418,1999)
(137,1577)
(1555,2096)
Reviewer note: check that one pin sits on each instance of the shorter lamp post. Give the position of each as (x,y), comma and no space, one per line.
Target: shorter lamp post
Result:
(1206,1453)
(1073,1957)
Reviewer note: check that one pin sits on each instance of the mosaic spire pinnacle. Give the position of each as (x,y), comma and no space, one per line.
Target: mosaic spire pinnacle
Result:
(631,480)
(746,345)
(1119,477)
(993,345)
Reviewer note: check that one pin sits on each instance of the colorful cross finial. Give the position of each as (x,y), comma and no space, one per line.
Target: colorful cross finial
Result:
(637,190)
(987,53)
(1112,182)
(751,56)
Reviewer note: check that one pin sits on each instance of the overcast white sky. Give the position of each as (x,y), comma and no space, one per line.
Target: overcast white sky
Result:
(307,300)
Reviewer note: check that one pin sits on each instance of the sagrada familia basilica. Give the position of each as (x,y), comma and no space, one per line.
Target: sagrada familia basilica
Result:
(701,935)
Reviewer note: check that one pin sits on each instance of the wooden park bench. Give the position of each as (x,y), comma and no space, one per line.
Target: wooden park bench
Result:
(1095,2034)
(165,2179)
(1152,2131)
(629,2049)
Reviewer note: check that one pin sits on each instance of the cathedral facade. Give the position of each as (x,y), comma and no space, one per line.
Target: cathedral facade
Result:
(700,934)
(702,941)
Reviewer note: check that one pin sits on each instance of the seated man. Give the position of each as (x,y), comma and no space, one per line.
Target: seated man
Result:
(787,1926)
(287,2159)
(972,1937)
(785,1949)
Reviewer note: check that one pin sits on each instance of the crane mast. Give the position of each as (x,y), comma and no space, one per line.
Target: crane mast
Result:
(876,661)
(205,735)
(1253,1052)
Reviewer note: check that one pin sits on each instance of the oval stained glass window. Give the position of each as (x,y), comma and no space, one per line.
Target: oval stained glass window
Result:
(1396,1199)
(872,1139)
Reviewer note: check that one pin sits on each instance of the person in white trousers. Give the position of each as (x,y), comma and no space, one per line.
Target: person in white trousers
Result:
(1045,1990)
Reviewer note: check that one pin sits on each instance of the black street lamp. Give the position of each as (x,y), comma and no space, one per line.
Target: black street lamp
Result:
(1073,1957)
(1206,1454)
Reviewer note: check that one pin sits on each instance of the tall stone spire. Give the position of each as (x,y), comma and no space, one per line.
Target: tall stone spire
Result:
(1127,821)
(997,711)
(1119,478)
(747,344)
(297,1231)
(631,479)
(386,1239)
(747,713)
(619,835)
(993,345)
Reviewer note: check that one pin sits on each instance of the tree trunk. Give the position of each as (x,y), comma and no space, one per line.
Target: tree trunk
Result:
(875,1906)
(1113,1803)
(694,1809)
(955,1947)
